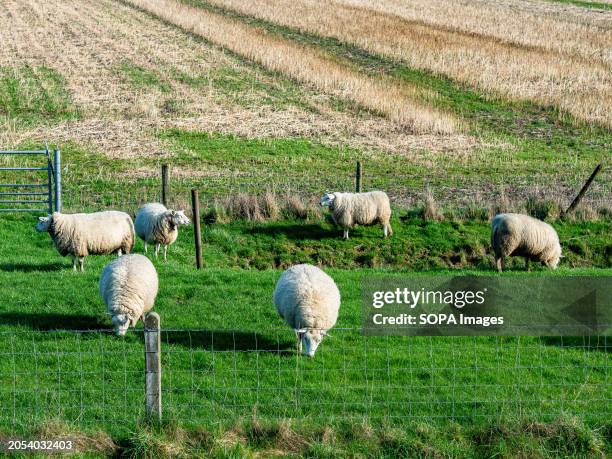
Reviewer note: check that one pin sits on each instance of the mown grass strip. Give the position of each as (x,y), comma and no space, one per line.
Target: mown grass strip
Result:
(585,4)
(34,94)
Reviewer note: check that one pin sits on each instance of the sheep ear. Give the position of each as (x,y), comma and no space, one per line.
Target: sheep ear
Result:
(42,219)
(561,256)
(301,330)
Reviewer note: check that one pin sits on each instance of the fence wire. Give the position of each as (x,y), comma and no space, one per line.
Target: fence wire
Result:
(404,190)
(216,376)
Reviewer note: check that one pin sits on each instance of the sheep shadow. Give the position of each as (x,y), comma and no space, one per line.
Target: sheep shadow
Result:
(230,341)
(295,231)
(32,267)
(43,321)
(584,343)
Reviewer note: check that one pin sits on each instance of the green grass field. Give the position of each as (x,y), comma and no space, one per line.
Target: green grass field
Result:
(228,357)
(233,383)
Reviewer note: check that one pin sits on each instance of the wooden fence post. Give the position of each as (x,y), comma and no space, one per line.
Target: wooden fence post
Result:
(358,177)
(195,206)
(153,395)
(583,190)
(164,177)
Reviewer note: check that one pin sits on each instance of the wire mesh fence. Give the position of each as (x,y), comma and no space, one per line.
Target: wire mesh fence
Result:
(405,191)
(450,186)
(218,376)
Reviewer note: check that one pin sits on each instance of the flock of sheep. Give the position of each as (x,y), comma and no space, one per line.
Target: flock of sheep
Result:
(305,296)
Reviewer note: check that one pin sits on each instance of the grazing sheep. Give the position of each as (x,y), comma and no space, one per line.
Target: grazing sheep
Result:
(350,209)
(522,235)
(128,287)
(308,300)
(156,224)
(89,234)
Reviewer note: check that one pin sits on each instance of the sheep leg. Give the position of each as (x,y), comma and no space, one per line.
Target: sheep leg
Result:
(81,260)
(156,250)
(74,263)
(345,234)
(387,231)
(165,253)
(119,253)
(145,246)
(499,261)
(526,263)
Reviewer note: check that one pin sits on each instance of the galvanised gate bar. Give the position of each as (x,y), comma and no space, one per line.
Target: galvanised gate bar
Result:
(47,192)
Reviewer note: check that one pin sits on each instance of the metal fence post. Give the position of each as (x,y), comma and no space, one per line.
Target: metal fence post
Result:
(58,179)
(164,177)
(358,176)
(49,182)
(153,395)
(195,206)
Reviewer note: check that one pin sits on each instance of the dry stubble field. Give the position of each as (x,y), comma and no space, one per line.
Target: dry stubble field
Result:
(466,99)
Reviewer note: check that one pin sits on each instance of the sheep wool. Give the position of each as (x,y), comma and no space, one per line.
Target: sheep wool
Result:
(350,209)
(128,287)
(158,225)
(309,301)
(522,235)
(89,234)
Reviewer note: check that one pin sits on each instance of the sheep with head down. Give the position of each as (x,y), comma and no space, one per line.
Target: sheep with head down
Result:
(308,300)
(158,225)
(128,287)
(350,209)
(524,236)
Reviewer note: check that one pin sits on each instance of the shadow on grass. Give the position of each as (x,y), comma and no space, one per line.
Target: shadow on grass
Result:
(583,343)
(310,231)
(51,321)
(32,267)
(295,231)
(230,341)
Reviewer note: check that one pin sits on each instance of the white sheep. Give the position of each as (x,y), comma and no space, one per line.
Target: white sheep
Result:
(128,287)
(89,234)
(522,235)
(159,225)
(308,300)
(350,209)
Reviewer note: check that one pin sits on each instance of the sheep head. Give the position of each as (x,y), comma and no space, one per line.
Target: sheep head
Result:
(553,262)
(310,339)
(44,223)
(328,200)
(178,217)
(121,323)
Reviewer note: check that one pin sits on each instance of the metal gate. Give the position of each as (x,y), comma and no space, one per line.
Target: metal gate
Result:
(47,192)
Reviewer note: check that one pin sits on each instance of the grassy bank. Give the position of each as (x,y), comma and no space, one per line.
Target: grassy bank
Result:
(416,245)
(566,437)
